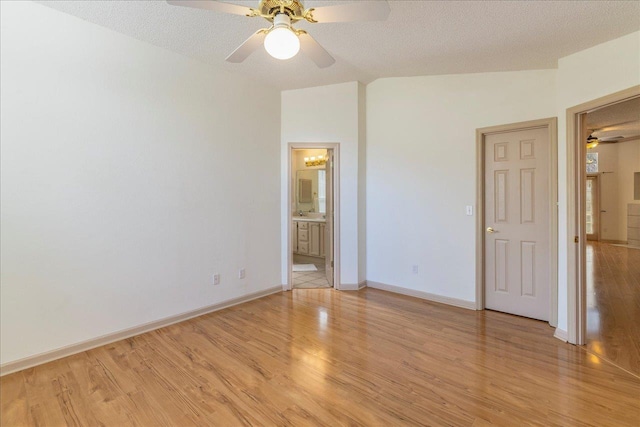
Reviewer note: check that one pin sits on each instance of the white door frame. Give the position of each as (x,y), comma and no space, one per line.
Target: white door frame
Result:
(552,126)
(336,208)
(576,211)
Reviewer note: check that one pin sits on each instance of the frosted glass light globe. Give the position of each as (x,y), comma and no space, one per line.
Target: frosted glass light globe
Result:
(282,43)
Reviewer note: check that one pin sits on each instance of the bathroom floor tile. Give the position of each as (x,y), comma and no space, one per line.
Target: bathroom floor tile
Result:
(311,279)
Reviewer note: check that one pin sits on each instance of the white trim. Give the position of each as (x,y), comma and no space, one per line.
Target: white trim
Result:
(552,126)
(336,208)
(470,305)
(38,359)
(561,335)
(353,286)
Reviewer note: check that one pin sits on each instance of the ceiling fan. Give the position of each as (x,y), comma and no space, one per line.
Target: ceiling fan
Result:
(611,134)
(281,40)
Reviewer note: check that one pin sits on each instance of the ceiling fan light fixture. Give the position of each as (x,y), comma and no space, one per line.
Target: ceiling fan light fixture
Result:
(592,142)
(282,42)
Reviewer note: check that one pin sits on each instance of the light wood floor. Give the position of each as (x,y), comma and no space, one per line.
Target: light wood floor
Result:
(323,357)
(613,304)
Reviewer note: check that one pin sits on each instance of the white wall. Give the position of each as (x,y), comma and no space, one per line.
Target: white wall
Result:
(129,176)
(616,166)
(421,171)
(328,114)
(628,164)
(608,188)
(584,76)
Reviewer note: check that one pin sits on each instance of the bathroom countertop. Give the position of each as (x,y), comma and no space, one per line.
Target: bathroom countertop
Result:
(308,219)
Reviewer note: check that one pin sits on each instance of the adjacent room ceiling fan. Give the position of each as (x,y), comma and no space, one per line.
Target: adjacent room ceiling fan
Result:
(281,40)
(593,141)
(619,132)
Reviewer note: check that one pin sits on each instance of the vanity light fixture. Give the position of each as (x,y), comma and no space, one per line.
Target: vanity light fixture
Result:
(320,160)
(592,141)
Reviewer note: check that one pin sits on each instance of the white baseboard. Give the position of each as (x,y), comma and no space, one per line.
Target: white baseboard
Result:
(39,359)
(561,335)
(470,305)
(353,286)
(615,242)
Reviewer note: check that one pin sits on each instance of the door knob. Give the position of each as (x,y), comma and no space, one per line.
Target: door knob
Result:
(490,230)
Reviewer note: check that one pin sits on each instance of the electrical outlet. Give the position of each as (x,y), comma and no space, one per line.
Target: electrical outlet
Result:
(414,269)
(216,279)
(241,273)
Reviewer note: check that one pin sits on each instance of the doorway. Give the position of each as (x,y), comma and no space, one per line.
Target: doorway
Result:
(516,245)
(312,217)
(611,263)
(577,134)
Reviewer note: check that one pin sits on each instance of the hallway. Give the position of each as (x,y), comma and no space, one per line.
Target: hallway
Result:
(613,304)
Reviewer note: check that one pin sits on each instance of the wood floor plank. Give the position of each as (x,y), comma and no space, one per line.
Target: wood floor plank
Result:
(14,407)
(328,358)
(613,304)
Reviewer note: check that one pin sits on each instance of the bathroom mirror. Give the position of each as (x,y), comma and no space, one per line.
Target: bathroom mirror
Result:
(311,190)
(305,193)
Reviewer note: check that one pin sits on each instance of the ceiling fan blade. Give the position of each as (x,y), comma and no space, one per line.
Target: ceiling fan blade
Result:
(377,10)
(611,138)
(248,47)
(216,6)
(316,52)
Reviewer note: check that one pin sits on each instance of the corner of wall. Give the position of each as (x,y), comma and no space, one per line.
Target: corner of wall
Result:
(362,182)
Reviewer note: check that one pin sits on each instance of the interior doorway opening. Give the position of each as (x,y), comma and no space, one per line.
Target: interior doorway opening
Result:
(612,224)
(312,217)
(578,132)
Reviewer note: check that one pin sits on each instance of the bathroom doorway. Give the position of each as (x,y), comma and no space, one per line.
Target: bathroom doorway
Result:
(312,216)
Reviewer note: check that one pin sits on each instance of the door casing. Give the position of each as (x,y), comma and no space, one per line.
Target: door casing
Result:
(335,147)
(552,127)
(576,210)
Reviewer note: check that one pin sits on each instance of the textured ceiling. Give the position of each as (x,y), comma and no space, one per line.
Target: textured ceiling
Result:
(419,38)
(621,119)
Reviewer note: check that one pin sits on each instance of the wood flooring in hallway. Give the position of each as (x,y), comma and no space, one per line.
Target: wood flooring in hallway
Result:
(330,358)
(613,304)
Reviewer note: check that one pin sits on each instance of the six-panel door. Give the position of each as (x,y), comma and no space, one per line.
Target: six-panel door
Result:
(517,244)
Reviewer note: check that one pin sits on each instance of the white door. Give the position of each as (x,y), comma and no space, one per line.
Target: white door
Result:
(328,229)
(517,225)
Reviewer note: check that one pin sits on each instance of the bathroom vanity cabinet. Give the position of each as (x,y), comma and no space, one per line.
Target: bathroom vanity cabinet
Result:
(309,237)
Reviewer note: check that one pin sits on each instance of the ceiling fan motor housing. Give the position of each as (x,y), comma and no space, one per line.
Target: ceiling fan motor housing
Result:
(293,8)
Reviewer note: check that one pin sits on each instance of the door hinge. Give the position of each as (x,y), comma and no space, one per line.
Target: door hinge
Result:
(576,239)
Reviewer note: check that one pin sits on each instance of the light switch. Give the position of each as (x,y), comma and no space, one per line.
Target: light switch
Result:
(469,210)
